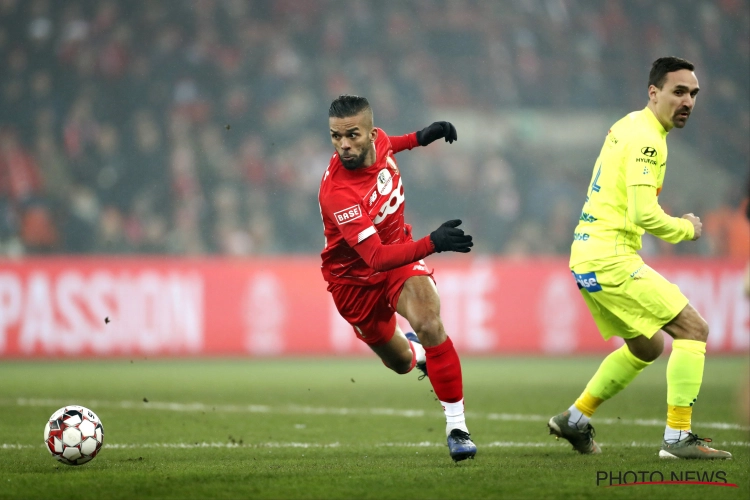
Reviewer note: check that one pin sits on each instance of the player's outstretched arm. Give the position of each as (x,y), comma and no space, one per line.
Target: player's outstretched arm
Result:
(437,131)
(644,211)
(447,238)
(425,136)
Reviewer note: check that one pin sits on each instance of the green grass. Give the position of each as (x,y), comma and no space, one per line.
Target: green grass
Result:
(334,428)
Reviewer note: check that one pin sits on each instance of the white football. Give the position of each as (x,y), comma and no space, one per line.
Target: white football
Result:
(74,435)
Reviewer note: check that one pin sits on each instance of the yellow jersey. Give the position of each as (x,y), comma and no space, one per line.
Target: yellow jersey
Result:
(634,154)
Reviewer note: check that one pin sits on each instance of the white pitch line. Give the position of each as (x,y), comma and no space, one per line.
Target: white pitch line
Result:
(222,445)
(124,446)
(616,421)
(311,410)
(551,444)
(423,444)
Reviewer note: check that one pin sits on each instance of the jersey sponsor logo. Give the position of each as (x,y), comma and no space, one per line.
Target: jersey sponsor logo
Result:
(385,182)
(347,214)
(587,281)
(646,160)
(390,205)
(648,151)
(586,217)
(372,198)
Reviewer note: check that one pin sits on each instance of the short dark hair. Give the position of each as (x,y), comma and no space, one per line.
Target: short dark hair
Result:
(664,65)
(347,105)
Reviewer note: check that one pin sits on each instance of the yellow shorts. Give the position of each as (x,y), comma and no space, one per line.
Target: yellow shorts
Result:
(628,298)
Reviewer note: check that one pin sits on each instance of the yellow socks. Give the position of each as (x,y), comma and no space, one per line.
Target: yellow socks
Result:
(685,372)
(614,374)
(587,404)
(678,417)
(684,377)
(619,369)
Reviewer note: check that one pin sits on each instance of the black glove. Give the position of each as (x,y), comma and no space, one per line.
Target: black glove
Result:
(436,131)
(448,238)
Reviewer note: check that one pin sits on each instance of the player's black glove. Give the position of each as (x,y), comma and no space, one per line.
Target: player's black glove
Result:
(436,131)
(448,238)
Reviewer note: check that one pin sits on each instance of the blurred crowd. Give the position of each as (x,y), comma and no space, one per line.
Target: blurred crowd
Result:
(200,127)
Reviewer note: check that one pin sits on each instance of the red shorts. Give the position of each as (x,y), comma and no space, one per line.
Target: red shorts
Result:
(371,310)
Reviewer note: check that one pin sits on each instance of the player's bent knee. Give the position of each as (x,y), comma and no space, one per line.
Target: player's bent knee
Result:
(425,323)
(647,351)
(688,325)
(657,348)
(652,355)
(658,352)
(698,330)
(702,331)
(429,329)
(400,366)
(403,368)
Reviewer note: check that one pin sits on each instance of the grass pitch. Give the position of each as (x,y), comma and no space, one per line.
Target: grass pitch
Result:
(350,428)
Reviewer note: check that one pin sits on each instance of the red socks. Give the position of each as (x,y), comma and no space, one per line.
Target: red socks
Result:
(444,369)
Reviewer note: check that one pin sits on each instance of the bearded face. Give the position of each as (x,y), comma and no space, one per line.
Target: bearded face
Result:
(353,138)
(674,102)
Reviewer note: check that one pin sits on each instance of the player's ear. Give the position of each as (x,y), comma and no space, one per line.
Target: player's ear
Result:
(652,90)
(373,134)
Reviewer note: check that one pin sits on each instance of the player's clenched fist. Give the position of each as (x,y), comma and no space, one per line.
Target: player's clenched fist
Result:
(449,238)
(697,224)
(436,131)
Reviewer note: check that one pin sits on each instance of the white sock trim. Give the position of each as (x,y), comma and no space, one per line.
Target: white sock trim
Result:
(456,425)
(672,436)
(454,416)
(453,409)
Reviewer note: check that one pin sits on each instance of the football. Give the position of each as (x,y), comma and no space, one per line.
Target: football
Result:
(74,435)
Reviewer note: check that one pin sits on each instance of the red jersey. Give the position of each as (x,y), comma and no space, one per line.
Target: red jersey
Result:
(357,204)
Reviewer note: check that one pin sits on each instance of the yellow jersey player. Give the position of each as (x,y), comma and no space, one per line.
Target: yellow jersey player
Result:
(626,297)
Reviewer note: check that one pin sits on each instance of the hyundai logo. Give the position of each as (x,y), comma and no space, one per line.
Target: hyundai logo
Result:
(648,151)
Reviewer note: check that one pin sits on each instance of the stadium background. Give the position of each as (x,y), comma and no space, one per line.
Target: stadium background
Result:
(159,164)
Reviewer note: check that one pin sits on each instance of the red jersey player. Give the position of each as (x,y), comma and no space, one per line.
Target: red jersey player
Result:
(373,266)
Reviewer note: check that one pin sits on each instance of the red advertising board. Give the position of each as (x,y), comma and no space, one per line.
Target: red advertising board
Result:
(279,306)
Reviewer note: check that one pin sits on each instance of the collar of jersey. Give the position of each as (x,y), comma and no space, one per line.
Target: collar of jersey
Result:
(655,124)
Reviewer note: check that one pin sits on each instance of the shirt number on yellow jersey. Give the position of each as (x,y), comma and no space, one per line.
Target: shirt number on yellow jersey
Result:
(594,186)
